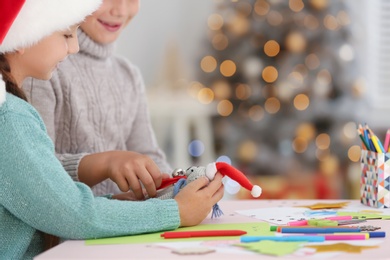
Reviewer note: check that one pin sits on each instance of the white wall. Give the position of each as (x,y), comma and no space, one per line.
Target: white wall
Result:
(158,23)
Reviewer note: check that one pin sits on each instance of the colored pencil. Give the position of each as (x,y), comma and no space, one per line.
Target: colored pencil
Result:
(300,238)
(387,140)
(364,142)
(308,230)
(202,233)
(305,238)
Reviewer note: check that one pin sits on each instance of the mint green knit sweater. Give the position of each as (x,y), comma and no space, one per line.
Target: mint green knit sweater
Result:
(37,194)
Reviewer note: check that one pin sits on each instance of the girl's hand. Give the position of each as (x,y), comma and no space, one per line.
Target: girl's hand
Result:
(197,199)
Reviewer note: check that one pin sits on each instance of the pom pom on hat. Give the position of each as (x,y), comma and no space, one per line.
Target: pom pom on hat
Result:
(25,22)
(228,170)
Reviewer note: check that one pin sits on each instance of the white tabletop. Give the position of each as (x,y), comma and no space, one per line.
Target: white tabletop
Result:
(78,249)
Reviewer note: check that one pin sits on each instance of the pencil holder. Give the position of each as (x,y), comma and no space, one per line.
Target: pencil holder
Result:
(375,179)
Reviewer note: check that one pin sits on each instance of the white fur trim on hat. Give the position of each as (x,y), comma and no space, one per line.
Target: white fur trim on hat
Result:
(40,18)
(211,170)
(2,90)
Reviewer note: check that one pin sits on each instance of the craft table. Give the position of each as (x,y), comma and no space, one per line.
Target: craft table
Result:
(78,249)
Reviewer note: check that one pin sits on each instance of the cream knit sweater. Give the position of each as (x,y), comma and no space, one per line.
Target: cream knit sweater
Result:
(95,102)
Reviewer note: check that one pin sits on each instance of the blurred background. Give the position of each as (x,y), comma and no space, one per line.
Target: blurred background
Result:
(277,88)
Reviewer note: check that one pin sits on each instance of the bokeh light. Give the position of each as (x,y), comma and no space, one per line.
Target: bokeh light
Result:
(215,22)
(256,113)
(306,131)
(205,96)
(329,166)
(296,5)
(312,61)
(243,91)
(220,41)
(224,158)
(196,148)
(247,151)
(270,74)
(330,22)
(354,153)
(299,145)
(225,107)
(272,105)
(301,102)
(208,64)
(295,42)
(274,18)
(271,48)
(323,141)
(222,89)
(349,130)
(228,68)
(261,7)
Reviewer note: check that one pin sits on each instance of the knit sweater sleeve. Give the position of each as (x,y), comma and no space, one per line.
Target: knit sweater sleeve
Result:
(47,97)
(142,138)
(37,191)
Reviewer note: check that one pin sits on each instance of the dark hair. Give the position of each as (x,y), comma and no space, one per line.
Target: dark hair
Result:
(12,87)
(10,84)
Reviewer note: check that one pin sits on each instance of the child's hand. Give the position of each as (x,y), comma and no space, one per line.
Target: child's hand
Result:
(197,199)
(127,169)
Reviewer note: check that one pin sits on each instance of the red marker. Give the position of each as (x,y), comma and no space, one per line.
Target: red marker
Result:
(202,233)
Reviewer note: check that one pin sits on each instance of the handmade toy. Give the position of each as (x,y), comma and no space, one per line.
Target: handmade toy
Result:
(170,187)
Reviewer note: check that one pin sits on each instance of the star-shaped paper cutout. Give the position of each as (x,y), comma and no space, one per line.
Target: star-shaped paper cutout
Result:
(326,205)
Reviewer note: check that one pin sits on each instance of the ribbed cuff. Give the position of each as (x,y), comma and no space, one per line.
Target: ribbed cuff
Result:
(71,162)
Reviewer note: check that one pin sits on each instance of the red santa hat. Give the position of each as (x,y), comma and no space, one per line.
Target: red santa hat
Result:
(236,175)
(25,22)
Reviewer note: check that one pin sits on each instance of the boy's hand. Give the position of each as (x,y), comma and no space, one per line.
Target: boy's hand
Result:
(127,169)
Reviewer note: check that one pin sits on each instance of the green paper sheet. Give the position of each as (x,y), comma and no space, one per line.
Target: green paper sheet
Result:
(272,247)
(364,215)
(253,229)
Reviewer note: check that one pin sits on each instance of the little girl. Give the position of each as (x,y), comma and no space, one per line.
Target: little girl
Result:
(38,199)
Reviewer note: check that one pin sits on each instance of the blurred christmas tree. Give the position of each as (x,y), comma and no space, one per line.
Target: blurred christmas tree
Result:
(286,80)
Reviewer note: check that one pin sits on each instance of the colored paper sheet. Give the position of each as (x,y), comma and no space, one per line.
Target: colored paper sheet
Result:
(272,247)
(253,229)
(284,215)
(363,215)
(342,247)
(337,205)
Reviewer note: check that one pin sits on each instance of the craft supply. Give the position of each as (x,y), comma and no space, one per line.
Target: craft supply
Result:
(307,230)
(300,238)
(327,205)
(279,228)
(193,251)
(368,234)
(368,228)
(346,237)
(306,238)
(339,247)
(306,222)
(202,233)
(387,140)
(364,141)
